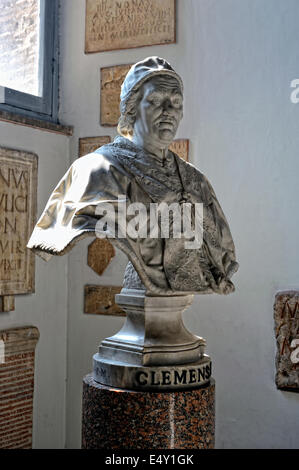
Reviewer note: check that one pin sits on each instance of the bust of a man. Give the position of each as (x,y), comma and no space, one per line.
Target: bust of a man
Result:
(102,192)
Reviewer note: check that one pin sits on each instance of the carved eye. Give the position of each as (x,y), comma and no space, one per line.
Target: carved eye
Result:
(177,102)
(154,100)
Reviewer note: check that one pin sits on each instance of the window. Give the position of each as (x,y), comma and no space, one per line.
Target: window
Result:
(29,57)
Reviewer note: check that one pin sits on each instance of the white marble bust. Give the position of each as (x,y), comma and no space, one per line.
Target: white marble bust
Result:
(139,167)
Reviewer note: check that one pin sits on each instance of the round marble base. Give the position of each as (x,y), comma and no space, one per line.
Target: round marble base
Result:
(125,419)
(152,378)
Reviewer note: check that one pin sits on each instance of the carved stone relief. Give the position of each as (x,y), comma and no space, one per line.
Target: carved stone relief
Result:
(286,318)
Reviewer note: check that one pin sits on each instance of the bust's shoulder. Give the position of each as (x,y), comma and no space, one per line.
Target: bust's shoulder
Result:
(102,160)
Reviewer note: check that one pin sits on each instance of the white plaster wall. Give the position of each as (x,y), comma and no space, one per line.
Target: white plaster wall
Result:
(47,308)
(237,59)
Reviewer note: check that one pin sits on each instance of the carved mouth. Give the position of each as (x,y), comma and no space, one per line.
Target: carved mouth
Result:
(166,121)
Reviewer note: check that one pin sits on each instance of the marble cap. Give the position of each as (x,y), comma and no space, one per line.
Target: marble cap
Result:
(142,71)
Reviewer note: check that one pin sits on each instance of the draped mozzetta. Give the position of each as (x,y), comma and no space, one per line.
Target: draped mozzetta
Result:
(164,265)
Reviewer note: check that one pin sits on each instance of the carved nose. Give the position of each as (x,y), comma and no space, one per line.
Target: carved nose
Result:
(167,105)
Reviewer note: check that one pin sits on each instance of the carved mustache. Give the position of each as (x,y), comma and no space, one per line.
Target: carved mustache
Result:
(166,120)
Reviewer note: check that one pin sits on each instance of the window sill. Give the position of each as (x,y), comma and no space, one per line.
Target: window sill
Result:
(46,126)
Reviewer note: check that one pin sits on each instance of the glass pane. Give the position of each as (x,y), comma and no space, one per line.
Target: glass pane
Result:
(19,45)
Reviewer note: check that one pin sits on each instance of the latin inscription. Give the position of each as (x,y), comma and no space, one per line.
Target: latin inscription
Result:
(17,354)
(172,377)
(175,377)
(17,215)
(123,24)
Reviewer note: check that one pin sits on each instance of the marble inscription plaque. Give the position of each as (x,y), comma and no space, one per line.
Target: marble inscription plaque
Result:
(17,354)
(181,148)
(111,81)
(100,253)
(100,300)
(18,188)
(90,144)
(286,318)
(123,24)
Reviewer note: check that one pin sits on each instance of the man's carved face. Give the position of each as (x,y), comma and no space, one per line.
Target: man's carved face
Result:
(159,111)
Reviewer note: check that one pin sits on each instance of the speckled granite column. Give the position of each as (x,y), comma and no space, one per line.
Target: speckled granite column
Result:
(124,419)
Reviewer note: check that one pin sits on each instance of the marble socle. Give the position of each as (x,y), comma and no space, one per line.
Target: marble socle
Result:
(153,350)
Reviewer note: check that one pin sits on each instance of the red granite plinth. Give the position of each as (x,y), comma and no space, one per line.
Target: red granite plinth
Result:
(125,419)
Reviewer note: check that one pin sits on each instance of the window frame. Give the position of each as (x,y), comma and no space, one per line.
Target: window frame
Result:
(43,107)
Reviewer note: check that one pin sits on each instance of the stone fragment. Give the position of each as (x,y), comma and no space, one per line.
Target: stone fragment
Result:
(18,195)
(17,354)
(111,81)
(100,300)
(90,144)
(286,318)
(181,148)
(114,24)
(7,303)
(100,253)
